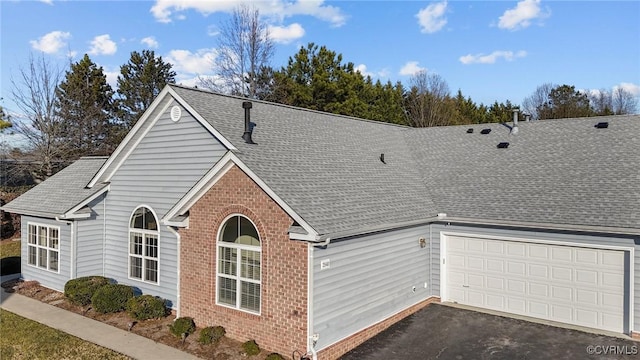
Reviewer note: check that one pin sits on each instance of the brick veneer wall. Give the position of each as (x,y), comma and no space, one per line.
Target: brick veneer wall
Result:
(282,324)
(342,347)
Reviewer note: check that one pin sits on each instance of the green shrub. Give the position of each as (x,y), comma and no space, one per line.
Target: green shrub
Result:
(211,334)
(146,307)
(80,291)
(251,348)
(10,265)
(274,356)
(182,325)
(111,298)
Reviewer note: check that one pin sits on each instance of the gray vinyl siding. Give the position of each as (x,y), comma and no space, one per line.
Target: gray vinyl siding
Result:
(90,240)
(369,279)
(570,237)
(166,163)
(45,277)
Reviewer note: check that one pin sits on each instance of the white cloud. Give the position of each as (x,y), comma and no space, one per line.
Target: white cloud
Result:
(52,42)
(633,89)
(186,63)
(521,16)
(112,77)
(286,34)
(411,68)
(492,58)
(48,2)
(213,30)
(150,41)
(103,45)
(362,69)
(431,18)
(166,10)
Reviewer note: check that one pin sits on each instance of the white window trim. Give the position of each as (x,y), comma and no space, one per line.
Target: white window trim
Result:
(37,246)
(144,232)
(237,277)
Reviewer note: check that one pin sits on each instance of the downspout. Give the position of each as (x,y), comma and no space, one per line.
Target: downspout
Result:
(312,338)
(177,234)
(72,268)
(104,234)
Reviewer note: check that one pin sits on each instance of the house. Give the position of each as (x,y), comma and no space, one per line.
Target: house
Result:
(313,232)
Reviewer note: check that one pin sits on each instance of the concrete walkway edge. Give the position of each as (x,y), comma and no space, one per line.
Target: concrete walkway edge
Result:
(124,342)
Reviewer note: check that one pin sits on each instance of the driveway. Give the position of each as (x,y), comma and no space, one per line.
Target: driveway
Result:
(445,332)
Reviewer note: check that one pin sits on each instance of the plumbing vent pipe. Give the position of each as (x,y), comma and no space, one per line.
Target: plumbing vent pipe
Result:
(248,129)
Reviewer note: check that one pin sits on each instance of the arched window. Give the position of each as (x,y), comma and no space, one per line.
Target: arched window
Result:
(143,245)
(239,257)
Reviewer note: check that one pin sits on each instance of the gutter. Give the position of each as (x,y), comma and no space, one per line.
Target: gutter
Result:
(325,238)
(538,225)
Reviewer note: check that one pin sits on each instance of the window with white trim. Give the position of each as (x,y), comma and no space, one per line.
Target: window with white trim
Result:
(239,271)
(43,247)
(143,245)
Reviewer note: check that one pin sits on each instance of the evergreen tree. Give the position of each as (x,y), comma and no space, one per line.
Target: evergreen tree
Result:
(85,106)
(565,102)
(139,83)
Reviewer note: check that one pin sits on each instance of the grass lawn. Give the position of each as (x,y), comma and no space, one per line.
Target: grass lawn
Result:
(9,248)
(22,338)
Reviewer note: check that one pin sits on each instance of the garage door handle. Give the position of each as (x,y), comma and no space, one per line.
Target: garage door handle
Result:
(465,285)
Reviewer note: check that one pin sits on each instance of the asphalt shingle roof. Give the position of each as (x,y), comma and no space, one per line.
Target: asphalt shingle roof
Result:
(61,192)
(325,167)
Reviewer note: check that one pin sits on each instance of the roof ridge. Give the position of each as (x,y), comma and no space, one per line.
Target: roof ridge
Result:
(348,117)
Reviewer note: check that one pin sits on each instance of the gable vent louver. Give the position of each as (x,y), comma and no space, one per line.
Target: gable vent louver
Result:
(176,113)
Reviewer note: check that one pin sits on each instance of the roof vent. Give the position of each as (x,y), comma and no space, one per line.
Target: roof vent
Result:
(503,145)
(602,125)
(470,131)
(382,158)
(485,131)
(248,129)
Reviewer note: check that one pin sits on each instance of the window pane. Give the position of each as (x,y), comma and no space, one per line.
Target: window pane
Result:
(137,219)
(151,246)
(230,230)
(227,259)
(248,233)
(226,291)
(136,267)
(149,220)
(53,260)
(53,238)
(32,234)
(135,247)
(250,296)
(151,270)
(32,255)
(250,264)
(42,236)
(42,258)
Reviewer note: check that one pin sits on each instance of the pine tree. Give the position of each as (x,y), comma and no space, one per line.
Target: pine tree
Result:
(139,83)
(85,106)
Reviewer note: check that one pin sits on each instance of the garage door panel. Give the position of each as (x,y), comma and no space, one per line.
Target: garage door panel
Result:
(539,271)
(539,309)
(576,285)
(536,289)
(516,268)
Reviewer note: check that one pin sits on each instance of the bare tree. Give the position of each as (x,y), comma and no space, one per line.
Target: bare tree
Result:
(244,49)
(426,102)
(601,102)
(34,93)
(536,101)
(623,102)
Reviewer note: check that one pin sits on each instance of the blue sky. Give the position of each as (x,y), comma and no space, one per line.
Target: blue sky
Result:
(491,50)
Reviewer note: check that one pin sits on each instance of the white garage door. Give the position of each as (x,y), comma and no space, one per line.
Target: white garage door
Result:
(575,285)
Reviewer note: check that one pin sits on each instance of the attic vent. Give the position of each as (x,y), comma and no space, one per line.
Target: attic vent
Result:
(470,131)
(382,158)
(485,131)
(176,113)
(503,145)
(602,125)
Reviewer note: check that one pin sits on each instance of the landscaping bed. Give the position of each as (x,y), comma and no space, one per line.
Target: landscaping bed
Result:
(154,329)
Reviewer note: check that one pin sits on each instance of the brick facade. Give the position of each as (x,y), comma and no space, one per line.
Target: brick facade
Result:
(282,324)
(342,347)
